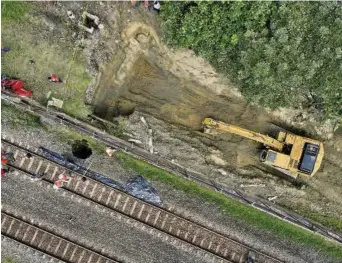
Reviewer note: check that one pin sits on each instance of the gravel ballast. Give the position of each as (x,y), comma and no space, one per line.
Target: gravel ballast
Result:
(86,224)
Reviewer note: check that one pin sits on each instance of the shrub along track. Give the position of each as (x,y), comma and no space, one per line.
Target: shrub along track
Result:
(178,229)
(58,248)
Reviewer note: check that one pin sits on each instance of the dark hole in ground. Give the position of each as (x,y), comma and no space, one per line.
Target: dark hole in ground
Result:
(81,149)
(101,111)
(120,108)
(88,22)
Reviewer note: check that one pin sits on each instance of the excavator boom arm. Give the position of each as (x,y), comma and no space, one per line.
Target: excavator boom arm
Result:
(224,127)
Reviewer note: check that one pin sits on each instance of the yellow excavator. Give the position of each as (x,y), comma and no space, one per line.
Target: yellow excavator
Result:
(291,154)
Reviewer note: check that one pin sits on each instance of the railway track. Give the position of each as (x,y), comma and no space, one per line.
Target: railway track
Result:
(31,106)
(214,244)
(56,247)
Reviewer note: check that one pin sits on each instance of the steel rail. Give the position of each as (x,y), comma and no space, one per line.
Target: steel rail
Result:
(47,242)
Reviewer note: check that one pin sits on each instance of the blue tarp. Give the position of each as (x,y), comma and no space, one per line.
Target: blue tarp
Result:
(141,189)
(137,186)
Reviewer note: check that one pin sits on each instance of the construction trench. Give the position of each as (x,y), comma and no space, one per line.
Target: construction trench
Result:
(160,96)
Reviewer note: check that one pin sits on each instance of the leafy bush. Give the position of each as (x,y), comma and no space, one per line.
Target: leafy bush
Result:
(278,53)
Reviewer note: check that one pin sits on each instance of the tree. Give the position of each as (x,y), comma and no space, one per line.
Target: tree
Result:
(278,53)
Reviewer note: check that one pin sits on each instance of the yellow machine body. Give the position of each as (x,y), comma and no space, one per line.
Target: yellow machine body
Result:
(292,154)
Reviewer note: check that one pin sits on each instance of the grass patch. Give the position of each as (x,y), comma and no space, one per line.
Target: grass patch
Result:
(8,260)
(76,108)
(50,53)
(116,127)
(13,11)
(233,208)
(330,222)
(17,118)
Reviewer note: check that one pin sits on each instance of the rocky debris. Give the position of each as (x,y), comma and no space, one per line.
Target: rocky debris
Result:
(150,144)
(87,29)
(216,158)
(326,129)
(180,146)
(221,171)
(110,151)
(143,120)
(166,140)
(251,185)
(138,142)
(272,198)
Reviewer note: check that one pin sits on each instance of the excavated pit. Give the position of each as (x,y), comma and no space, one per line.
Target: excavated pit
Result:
(148,80)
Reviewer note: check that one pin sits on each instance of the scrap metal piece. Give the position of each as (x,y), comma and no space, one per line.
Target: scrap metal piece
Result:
(55,102)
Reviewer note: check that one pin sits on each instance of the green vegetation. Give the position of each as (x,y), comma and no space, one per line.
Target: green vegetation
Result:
(17,118)
(13,11)
(40,53)
(8,260)
(279,53)
(233,208)
(332,223)
(116,127)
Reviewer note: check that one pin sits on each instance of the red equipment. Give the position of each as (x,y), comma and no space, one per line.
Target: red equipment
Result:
(54,78)
(4,162)
(16,86)
(4,159)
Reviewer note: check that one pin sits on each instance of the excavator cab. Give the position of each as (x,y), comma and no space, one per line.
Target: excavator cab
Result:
(308,158)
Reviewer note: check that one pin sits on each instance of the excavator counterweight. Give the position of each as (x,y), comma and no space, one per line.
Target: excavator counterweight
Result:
(289,153)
